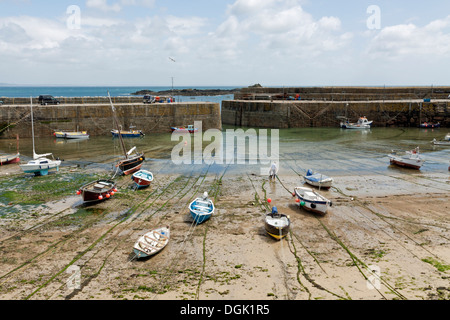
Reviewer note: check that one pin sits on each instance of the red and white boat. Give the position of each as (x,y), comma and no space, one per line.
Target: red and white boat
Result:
(410,159)
(97,190)
(10,158)
(142,178)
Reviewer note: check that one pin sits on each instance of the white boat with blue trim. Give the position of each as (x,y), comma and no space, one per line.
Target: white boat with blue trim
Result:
(362,123)
(318,179)
(311,200)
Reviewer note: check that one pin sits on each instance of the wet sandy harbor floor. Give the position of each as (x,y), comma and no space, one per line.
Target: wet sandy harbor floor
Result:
(395,225)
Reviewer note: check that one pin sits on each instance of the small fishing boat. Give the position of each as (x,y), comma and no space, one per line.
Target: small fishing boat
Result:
(127,133)
(71,134)
(318,180)
(447,137)
(201,209)
(277,224)
(142,178)
(190,128)
(407,159)
(441,143)
(132,162)
(40,165)
(429,125)
(97,190)
(9,158)
(152,242)
(311,200)
(362,123)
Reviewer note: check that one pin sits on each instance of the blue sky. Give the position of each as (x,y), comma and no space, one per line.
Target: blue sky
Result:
(225,43)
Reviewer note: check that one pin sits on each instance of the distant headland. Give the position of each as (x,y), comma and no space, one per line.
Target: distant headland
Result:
(188,92)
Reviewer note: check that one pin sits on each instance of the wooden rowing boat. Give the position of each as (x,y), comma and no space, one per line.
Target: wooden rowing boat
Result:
(142,178)
(152,242)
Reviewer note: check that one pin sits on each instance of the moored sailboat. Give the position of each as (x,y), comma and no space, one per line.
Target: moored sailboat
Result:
(40,165)
(131,162)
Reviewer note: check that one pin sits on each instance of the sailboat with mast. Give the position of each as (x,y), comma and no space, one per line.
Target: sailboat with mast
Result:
(131,162)
(40,165)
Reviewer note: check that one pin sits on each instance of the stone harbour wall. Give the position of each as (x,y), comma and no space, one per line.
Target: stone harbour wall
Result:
(97,118)
(291,114)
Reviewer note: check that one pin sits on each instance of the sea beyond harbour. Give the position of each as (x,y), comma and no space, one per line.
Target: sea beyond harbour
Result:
(102,91)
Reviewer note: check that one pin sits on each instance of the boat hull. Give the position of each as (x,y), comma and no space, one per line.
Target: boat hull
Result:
(430,125)
(406,163)
(183,130)
(132,164)
(40,169)
(71,135)
(127,134)
(277,226)
(350,126)
(152,242)
(201,210)
(97,190)
(142,178)
(312,201)
(318,180)
(9,159)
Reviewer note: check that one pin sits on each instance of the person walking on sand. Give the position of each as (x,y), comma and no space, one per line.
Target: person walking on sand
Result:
(273,170)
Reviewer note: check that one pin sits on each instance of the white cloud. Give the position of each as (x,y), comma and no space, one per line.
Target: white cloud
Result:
(103,5)
(409,40)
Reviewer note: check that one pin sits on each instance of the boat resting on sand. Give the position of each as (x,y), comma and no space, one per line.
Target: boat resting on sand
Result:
(311,200)
(97,190)
(201,209)
(410,159)
(277,224)
(9,158)
(318,180)
(142,178)
(152,242)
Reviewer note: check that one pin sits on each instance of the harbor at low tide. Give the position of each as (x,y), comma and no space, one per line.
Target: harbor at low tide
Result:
(384,216)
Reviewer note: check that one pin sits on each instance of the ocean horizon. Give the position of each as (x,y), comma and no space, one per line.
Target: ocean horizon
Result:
(13,91)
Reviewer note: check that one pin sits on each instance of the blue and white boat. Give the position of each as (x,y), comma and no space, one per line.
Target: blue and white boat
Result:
(318,179)
(201,209)
(132,133)
(142,178)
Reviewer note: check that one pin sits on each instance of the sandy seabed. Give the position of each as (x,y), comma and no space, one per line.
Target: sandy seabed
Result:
(385,237)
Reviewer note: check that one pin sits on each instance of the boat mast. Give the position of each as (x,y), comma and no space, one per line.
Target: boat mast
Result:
(118,127)
(32,125)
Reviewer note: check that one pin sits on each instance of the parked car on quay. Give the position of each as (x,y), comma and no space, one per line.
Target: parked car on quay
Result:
(46,99)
